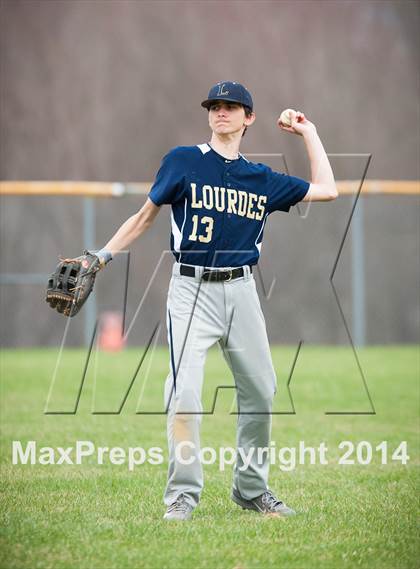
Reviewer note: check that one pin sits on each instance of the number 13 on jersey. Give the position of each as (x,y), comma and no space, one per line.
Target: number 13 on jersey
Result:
(208,222)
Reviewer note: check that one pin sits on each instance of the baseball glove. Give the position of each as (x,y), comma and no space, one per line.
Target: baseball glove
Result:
(72,282)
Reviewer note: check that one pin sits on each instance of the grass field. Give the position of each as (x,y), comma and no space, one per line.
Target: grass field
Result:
(91,516)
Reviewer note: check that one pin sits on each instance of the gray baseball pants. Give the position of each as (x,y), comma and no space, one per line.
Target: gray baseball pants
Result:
(199,314)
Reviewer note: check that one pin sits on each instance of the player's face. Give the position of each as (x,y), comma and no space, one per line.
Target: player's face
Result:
(226,118)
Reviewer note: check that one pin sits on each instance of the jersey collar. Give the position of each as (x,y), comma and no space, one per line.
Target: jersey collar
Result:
(223,158)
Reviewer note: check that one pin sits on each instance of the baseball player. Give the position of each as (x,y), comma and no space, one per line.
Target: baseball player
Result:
(220,203)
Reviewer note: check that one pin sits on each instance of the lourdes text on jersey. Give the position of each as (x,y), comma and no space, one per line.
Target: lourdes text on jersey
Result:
(239,202)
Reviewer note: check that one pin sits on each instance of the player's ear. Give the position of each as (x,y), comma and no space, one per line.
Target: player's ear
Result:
(249,119)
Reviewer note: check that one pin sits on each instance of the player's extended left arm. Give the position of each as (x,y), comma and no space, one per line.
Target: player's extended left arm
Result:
(130,230)
(72,282)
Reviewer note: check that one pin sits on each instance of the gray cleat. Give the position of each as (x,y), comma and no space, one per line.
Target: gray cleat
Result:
(180,510)
(267,503)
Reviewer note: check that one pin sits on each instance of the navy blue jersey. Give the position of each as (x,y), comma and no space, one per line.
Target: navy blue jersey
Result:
(220,206)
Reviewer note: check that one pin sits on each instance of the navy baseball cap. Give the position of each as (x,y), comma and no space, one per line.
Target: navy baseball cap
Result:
(229,91)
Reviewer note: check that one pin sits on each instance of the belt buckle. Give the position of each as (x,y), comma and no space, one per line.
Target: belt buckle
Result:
(230,275)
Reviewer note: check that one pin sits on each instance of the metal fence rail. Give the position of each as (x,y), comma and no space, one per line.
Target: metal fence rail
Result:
(91,190)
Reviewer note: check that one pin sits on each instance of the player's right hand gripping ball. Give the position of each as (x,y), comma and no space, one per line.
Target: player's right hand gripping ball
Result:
(72,282)
(286,117)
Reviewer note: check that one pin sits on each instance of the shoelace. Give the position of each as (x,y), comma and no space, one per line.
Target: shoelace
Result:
(181,505)
(270,500)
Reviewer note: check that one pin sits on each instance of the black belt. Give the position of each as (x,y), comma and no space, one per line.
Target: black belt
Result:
(216,276)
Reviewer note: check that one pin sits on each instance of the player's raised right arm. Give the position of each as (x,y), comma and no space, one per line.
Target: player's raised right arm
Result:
(323,186)
(130,230)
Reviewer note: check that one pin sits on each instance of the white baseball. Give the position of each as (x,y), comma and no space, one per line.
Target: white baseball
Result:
(286,117)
